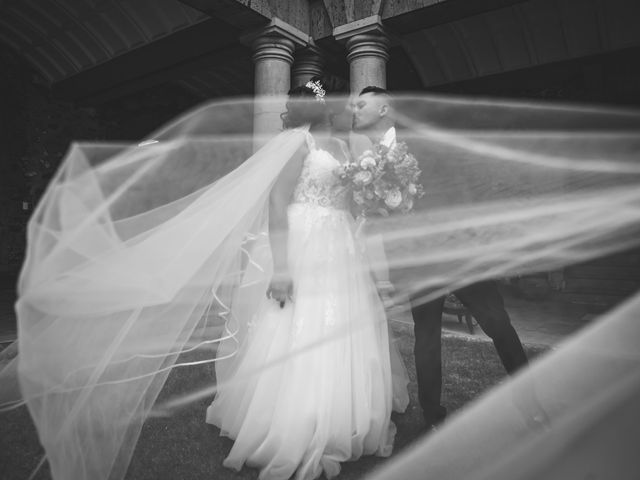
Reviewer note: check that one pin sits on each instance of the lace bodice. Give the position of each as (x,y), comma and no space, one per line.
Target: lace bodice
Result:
(318,184)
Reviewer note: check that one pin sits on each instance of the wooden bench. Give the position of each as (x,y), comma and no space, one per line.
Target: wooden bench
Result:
(454,306)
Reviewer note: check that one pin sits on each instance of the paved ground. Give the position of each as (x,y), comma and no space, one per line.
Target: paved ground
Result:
(542,322)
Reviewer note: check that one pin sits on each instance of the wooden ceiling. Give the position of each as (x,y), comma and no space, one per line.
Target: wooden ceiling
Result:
(520,36)
(97,50)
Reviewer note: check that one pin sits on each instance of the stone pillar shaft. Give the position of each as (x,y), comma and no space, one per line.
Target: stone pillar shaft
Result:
(273,47)
(273,56)
(368,55)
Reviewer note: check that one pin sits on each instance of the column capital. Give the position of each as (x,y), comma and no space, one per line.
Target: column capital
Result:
(370,25)
(278,39)
(367,45)
(364,38)
(272,47)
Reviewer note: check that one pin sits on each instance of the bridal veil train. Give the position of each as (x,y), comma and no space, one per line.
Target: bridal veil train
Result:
(133,248)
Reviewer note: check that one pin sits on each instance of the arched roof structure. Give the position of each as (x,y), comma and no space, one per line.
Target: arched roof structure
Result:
(93,50)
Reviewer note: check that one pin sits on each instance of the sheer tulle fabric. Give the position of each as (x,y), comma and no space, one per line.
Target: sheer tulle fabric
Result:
(520,188)
(120,271)
(589,389)
(129,245)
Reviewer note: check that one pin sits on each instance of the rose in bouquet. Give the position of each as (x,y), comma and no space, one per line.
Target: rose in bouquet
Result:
(383,180)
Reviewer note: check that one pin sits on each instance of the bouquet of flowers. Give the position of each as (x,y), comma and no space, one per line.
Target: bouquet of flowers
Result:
(384,180)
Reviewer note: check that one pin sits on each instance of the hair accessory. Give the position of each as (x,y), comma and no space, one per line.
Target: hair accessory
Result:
(317,89)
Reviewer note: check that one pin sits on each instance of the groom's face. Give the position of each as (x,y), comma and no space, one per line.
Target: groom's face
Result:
(368,110)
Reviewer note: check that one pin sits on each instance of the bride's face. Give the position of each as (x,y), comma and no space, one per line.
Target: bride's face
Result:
(342,116)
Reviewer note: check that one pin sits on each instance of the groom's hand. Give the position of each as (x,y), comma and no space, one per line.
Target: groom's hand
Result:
(281,288)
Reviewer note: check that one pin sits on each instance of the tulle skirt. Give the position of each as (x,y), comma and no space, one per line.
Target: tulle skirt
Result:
(315,382)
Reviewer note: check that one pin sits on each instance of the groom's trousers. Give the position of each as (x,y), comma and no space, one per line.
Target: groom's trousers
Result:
(486,304)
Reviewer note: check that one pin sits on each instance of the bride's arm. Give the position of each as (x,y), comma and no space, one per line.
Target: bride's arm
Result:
(281,286)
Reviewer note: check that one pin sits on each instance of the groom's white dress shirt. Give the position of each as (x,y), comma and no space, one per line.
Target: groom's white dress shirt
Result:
(389,138)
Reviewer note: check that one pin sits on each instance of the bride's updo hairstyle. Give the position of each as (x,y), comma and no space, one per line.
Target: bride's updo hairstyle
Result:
(308,103)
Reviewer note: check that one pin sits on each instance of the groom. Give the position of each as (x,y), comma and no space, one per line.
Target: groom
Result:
(372,117)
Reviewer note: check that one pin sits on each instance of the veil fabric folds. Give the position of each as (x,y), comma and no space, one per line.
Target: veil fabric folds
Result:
(589,389)
(130,248)
(519,188)
(136,252)
(512,188)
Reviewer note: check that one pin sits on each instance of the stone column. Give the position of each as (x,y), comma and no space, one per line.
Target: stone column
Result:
(273,47)
(368,55)
(272,58)
(367,52)
(309,62)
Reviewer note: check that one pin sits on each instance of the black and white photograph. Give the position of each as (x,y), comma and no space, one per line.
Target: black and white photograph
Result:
(318,239)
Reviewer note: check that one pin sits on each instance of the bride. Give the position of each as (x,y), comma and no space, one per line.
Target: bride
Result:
(312,385)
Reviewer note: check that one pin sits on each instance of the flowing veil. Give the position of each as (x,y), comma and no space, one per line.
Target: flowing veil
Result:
(138,254)
(518,188)
(130,250)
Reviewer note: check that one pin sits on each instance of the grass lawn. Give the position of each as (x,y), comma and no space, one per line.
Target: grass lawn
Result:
(182,446)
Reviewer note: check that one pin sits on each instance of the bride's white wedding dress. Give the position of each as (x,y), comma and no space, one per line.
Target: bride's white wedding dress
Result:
(315,382)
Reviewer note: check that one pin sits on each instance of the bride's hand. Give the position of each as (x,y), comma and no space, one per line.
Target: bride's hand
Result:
(281,288)
(386,291)
(360,222)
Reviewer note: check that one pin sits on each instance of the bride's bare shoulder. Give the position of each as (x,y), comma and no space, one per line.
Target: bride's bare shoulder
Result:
(341,149)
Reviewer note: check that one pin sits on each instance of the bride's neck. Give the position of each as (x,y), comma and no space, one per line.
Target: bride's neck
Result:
(323,128)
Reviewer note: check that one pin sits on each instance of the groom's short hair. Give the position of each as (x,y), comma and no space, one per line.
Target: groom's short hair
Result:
(375,91)
(378,92)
